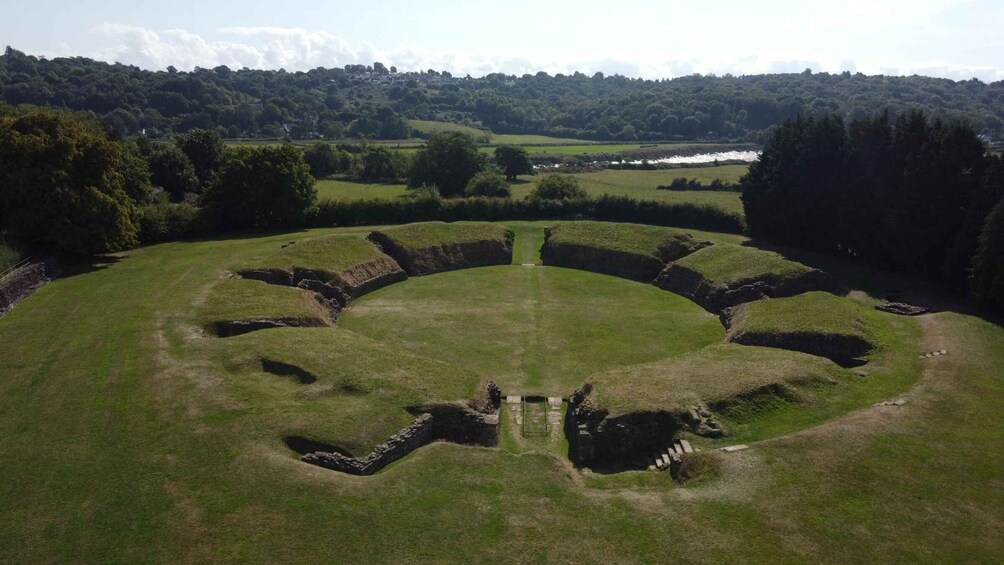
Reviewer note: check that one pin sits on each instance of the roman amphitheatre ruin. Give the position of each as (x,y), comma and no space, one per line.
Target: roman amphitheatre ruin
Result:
(385,348)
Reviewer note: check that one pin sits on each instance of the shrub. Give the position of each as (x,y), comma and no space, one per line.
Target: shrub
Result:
(489,182)
(162,221)
(557,187)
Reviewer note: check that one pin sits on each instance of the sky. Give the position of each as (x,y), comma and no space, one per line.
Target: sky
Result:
(956,39)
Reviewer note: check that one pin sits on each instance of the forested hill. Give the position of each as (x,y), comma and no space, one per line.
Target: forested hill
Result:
(376,102)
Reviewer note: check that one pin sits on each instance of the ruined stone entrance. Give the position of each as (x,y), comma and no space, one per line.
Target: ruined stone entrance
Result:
(536,416)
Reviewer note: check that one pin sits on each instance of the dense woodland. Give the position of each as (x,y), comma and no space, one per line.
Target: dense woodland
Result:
(376,101)
(909,194)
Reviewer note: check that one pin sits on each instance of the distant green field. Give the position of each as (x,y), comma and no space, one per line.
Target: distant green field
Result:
(331,189)
(430,128)
(642,185)
(636,184)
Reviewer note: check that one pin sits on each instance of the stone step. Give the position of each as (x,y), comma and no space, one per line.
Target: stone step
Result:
(686,446)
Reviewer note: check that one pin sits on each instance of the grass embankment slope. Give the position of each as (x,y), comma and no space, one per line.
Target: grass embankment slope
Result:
(236,300)
(730,265)
(127,439)
(815,322)
(637,239)
(423,235)
(328,254)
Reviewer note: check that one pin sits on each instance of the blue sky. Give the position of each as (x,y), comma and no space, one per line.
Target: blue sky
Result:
(957,39)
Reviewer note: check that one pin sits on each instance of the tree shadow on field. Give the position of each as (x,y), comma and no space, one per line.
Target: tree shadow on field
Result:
(60,269)
(879,283)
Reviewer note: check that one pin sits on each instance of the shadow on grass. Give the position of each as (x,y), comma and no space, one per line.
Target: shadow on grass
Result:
(883,284)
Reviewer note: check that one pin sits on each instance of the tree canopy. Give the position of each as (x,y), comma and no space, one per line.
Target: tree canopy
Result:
(262,187)
(448,161)
(513,160)
(62,185)
(361,101)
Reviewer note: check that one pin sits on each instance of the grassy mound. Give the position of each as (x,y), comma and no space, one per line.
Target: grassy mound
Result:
(633,251)
(725,275)
(431,247)
(717,374)
(348,262)
(358,389)
(818,323)
(238,306)
(630,412)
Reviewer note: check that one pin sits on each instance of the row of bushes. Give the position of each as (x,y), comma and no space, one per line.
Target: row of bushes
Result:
(682,183)
(607,208)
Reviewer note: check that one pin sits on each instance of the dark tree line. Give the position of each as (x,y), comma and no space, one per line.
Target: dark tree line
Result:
(912,193)
(373,102)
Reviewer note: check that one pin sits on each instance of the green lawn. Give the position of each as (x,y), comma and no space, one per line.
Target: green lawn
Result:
(331,189)
(130,438)
(532,329)
(422,235)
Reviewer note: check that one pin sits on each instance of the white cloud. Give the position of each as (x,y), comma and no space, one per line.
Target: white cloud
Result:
(298,49)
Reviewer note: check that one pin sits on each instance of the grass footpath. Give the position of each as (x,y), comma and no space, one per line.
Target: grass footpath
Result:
(124,442)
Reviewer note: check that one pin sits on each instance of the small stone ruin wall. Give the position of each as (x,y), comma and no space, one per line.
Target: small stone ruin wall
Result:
(454,423)
(445,257)
(419,433)
(20,283)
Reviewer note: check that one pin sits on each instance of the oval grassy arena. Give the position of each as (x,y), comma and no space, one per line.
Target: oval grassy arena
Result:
(533,329)
(645,371)
(195,432)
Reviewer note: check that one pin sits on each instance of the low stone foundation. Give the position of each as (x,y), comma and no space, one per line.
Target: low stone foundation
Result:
(20,283)
(454,423)
(419,433)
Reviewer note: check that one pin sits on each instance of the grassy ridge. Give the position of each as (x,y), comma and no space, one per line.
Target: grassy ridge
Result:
(432,234)
(730,264)
(631,238)
(331,254)
(240,299)
(715,373)
(814,313)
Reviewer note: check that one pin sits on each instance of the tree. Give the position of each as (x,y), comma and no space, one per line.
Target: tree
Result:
(380,163)
(488,182)
(988,264)
(61,185)
(262,187)
(205,150)
(448,161)
(325,159)
(513,160)
(557,187)
(171,170)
